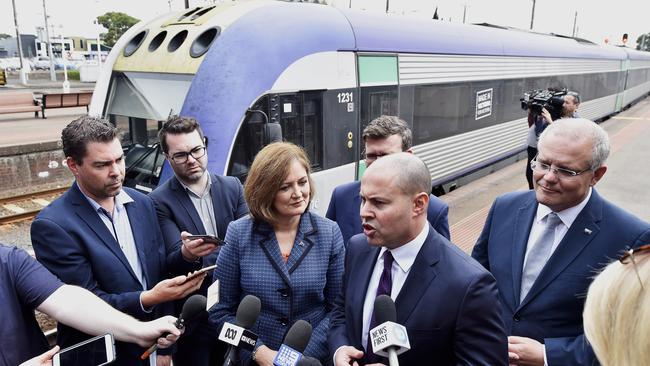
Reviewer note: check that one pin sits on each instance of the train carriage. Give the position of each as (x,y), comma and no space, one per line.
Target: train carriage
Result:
(255,71)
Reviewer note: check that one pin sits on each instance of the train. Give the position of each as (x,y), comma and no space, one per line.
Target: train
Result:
(253,72)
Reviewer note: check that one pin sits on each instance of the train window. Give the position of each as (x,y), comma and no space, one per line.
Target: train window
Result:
(203,42)
(157,41)
(301,121)
(177,41)
(377,101)
(135,43)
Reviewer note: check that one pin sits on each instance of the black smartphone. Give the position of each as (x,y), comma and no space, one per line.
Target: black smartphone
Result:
(93,352)
(207,239)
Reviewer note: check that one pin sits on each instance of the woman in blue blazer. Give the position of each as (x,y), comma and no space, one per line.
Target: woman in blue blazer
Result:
(287,256)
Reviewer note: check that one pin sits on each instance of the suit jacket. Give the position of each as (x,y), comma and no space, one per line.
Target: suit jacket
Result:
(70,240)
(176,213)
(302,288)
(552,311)
(345,205)
(449,305)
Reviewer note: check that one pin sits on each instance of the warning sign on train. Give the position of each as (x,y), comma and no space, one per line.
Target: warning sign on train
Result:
(483,103)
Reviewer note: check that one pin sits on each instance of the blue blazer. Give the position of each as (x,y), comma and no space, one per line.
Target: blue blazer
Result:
(303,288)
(552,311)
(449,305)
(70,240)
(345,205)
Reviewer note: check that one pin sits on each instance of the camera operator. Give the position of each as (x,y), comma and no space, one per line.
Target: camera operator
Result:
(538,122)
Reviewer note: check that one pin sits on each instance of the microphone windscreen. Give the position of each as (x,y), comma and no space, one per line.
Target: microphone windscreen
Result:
(309,361)
(385,309)
(193,307)
(298,335)
(248,311)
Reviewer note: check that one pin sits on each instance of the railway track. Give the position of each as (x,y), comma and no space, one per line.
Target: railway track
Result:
(26,206)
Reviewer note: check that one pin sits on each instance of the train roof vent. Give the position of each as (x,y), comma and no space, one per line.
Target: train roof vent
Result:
(203,42)
(157,41)
(187,14)
(135,43)
(200,13)
(177,41)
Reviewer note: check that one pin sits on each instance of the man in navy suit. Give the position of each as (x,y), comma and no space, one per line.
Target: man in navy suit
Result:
(448,303)
(195,202)
(545,246)
(106,238)
(383,136)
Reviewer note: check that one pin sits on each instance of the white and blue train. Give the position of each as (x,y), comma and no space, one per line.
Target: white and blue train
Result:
(316,75)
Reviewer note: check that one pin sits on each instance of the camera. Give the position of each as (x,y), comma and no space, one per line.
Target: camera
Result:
(552,100)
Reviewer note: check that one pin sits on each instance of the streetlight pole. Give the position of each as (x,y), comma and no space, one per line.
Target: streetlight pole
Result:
(464,12)
(49,45)
(23,76)
(532,16)
(387,5)
(575,22)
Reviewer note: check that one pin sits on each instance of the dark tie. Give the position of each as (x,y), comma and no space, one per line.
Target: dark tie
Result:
(539,254)
(384,288)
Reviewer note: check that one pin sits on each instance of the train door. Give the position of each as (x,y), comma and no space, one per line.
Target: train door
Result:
(378,83)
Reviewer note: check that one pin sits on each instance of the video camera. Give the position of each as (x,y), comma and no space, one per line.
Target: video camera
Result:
(552,100)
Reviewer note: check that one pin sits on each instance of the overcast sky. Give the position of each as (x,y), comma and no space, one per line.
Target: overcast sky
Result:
(595,21)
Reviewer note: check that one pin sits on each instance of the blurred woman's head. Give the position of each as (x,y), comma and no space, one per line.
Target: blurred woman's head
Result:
(617,312)
(279,183)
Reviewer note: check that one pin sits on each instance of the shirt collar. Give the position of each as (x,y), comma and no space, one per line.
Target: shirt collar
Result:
(405,255)
(208,185)
(568,216)
(120,200)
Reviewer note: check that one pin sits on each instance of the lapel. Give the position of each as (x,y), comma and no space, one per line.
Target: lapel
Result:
(574,241)
(301,246)
(87,214)
(134,210)
(522,225)
(360,272)
(217,192)
(419,277)
(356,205)
(185,201)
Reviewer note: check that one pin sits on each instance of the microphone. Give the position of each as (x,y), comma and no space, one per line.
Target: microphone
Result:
(237,335)
(295,342)
(389,339)
(192,308)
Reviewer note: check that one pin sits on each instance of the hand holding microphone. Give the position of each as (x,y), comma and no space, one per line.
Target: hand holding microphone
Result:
(192,308)
(388,339)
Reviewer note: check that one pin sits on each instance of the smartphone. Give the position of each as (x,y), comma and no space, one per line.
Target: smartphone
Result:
(93,352)
(202,270)
(207,239)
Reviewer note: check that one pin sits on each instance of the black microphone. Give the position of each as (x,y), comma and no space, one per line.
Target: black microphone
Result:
(295,342)
(309,361)
(389,339)
(237,335)
(193,307)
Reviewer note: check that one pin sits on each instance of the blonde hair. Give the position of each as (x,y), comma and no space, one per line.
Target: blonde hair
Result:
(269,170)
(617,313)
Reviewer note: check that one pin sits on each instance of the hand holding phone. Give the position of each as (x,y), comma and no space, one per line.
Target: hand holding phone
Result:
(210,239)
(200,271)
(192,248)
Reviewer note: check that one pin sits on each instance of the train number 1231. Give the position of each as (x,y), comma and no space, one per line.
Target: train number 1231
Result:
(345,97)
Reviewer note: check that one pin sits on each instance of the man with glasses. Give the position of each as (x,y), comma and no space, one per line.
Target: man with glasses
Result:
(383,136)
(544,246)
(195,202)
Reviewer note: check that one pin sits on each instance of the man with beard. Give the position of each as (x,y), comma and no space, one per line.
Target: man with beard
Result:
(107,239)
(195,202)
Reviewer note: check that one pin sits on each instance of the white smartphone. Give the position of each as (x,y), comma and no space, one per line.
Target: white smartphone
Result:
(93,352)
(202,270)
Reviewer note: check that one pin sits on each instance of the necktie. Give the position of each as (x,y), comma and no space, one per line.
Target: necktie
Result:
(384,288)
(539,254)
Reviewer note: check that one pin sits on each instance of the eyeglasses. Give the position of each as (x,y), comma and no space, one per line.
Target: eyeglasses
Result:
(559,172)
(373,157)
(628,257)
(181,157)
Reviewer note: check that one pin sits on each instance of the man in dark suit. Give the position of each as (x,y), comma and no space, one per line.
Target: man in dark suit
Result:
(106,238)
(545,246)
(196,202)
(448,303)
(383,136)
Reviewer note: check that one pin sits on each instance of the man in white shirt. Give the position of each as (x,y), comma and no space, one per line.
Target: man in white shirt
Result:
(544,246)
(447,302)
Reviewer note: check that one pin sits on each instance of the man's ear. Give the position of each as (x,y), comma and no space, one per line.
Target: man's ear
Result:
(598,174)
(72,165)
(421,203)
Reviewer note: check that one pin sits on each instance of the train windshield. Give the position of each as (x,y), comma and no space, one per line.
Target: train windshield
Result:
(149,96)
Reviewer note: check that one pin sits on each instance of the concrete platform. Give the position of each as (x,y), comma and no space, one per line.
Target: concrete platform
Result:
(625,183)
